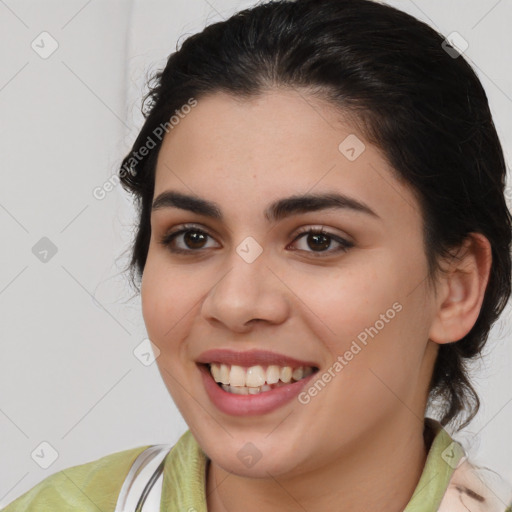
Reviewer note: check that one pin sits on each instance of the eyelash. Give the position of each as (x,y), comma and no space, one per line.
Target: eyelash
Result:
(168,238)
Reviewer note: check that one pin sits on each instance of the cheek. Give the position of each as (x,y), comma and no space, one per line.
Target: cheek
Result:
(151,297)
(168,295)
(348,300)
(167,302)
(156,298)
(369,314)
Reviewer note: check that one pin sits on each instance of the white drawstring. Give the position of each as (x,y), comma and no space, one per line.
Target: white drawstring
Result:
(142,487)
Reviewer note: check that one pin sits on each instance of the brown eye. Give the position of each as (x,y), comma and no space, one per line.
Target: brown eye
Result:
(194,239)
(190,240)
(186,240)
(318,242)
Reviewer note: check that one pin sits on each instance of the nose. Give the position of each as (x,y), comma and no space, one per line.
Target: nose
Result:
(246,294)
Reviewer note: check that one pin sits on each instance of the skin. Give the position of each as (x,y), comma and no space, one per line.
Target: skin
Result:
(331,452)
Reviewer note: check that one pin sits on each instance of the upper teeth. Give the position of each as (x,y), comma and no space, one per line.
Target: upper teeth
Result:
(256,376)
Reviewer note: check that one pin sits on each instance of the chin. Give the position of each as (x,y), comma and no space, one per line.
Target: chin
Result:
(252,459)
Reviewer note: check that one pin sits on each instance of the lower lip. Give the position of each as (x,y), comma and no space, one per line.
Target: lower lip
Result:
(250,405)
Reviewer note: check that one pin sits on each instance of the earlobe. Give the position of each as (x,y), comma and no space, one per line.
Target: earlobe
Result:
(461,290)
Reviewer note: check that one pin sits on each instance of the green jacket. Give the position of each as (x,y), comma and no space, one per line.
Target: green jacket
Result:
(95,486)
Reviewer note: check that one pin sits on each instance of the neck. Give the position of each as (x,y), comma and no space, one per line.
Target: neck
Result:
(380,474)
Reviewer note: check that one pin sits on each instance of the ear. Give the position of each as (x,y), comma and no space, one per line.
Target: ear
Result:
(460,289)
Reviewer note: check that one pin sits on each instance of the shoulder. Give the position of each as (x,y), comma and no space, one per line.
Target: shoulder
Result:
(86,487)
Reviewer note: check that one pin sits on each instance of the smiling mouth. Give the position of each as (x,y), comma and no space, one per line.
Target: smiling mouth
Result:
(257,379)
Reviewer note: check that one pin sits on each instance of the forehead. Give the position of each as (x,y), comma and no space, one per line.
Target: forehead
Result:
(279,143)
(276,127)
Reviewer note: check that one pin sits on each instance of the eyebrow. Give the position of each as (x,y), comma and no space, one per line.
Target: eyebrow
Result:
(276,211)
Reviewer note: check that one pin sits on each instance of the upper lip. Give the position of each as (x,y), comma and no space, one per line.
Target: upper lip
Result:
(251,358)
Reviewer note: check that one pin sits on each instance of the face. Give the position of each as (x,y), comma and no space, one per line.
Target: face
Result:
(337,287)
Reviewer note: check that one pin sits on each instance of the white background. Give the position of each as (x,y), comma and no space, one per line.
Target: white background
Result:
(69,326)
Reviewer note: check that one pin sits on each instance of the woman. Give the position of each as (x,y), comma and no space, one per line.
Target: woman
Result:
(323,244)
